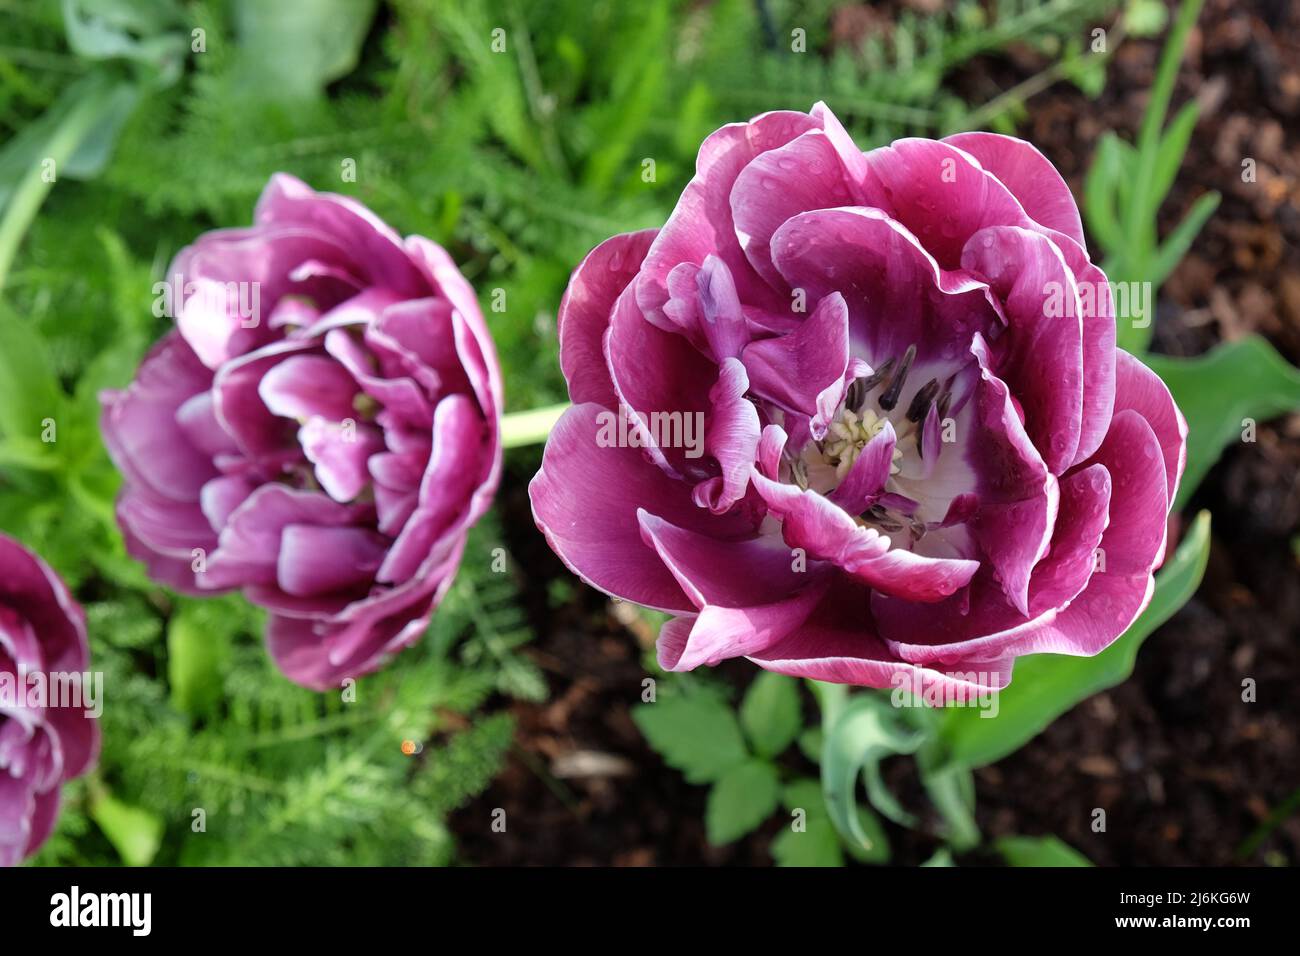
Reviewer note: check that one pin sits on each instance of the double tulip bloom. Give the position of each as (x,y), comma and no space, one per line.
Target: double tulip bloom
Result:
(46,738)
(320,430)
(923,455)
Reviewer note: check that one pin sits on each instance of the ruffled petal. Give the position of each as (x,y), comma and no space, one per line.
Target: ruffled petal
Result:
(143,429)
(1018,495)
(303,386)
(585,499)
(586,311)
(897,294)
(825,532)
(1029,175)
(730,436)
(804,371)
(1141,390)
(942,195)
(701,224)
(316,560)
(1040,355)
(806,173)
(374,249)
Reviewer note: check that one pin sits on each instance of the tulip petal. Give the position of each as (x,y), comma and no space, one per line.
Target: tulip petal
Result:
(1029,176)
(897,294)
(585,499)
(317,560)
(701,224)
(1018,495)
(1040,355)
(587,309)
(1141,390)
(825,532)
(804,174)
(804,371)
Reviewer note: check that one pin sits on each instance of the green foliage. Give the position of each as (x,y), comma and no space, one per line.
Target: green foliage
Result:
(1222,394)
(1127,184)
(1039,851)
(741,799)
(136,834)
(695,732)
(770,713)
(859,734)
(812,840)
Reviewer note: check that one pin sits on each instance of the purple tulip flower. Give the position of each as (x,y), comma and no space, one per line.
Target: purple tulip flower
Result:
(860,417)
(321,429)
(46,735)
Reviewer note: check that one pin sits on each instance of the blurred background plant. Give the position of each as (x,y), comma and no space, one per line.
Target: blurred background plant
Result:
(518,134)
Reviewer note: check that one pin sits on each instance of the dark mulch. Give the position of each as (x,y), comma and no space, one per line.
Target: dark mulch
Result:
(1186,771)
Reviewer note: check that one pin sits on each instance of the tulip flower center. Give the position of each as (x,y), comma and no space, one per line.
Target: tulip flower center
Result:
(894,501)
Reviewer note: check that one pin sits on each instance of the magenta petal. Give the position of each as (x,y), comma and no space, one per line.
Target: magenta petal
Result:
(585,499)
(1040,355)
(1018,495)
(729,573)
(984,625)
(586,310)
(458,464)
(238,403)
(827,533)
(885,276)
(143,429)
(249,546)
(655,372)
(1133,543)
(315,560)
(942,195)
(804,174)
(146,522)
(701,224)
(401,396)
(866,188)
(1029,176)
(303,386)
(226,286)
(372,245)
(838,646)
(866,479)
(731,436)
(197,417)
(341,454)
(473,341)
(804,371)
(165,528)
(720,310)
(1141,390)
(721,633)
(221,496)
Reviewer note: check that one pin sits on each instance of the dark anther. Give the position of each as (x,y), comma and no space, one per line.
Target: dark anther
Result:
(861,387)
(922,400)
(856,396)
(890,398)
(881,518)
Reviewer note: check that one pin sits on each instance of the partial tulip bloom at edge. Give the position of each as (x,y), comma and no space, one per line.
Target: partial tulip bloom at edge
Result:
(47,736)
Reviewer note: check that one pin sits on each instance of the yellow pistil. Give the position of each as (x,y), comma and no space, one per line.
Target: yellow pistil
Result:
(848,435)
